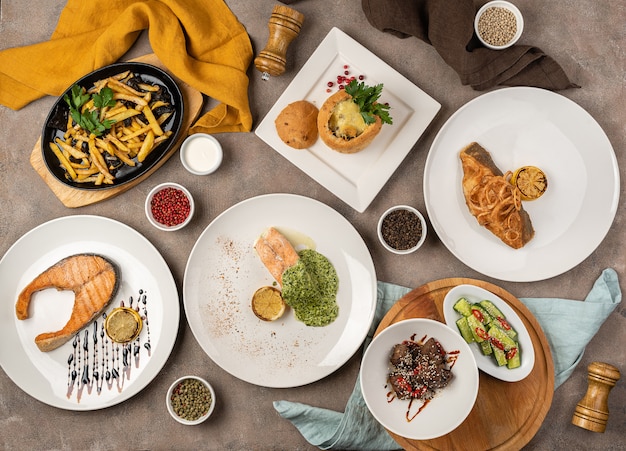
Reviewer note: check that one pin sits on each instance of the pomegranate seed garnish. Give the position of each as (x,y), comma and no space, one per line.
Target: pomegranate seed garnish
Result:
(344,79)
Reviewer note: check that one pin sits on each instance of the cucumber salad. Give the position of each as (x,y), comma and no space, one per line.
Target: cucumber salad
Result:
(483,323)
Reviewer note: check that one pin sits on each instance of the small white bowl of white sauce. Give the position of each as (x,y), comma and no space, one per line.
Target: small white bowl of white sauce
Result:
(201,154)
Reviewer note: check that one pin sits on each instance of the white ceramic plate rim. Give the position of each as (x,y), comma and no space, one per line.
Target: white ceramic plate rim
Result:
(140,263)
(453,404)
(486,363)
(357,178)
(521,126)
(223,271)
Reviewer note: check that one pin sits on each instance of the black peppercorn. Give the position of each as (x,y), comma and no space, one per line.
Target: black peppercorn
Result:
(401,229)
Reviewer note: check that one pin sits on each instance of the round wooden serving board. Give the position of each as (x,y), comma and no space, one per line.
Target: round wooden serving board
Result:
(72,197)
(506,415)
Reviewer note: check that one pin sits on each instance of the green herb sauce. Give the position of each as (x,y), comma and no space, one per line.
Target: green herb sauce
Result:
(310,289)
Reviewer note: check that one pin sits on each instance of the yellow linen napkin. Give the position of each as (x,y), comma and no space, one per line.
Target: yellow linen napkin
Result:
(199,41)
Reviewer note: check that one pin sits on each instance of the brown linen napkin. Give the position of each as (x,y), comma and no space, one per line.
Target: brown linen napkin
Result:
(449,27)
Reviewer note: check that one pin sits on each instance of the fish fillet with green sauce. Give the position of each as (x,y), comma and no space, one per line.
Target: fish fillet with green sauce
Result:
(310,289)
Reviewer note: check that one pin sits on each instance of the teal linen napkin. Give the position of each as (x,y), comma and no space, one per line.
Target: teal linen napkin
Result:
(356,428)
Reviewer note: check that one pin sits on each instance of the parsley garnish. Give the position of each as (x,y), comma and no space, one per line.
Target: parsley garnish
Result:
(90,119)
(103,98)
(365,97)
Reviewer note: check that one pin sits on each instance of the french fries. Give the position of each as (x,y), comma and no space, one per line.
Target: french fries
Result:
(136,115)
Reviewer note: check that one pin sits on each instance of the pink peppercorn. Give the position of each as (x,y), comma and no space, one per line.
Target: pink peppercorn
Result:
(170,206)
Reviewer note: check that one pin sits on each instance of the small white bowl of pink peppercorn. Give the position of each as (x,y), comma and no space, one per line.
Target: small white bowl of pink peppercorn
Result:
(402,229)
(169,206)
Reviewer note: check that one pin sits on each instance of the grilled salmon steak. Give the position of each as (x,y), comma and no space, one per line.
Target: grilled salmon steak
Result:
(492,200)
(94,281)
(276,253)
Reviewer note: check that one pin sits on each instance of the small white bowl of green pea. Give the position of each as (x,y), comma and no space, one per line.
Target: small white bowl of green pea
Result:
(190,400)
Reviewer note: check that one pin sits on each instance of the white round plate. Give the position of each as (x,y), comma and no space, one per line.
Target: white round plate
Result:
(144,276)
(223,272)
(486,363)
(447,410)
(526,126)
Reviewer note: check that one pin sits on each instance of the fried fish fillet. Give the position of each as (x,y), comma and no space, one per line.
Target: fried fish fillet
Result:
(94,281)
(276,253)
(490,198)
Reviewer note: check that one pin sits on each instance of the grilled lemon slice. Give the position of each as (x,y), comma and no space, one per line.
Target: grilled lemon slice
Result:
(268,304)
(531,182)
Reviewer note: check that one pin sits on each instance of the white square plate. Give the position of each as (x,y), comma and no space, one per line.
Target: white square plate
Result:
(354,178)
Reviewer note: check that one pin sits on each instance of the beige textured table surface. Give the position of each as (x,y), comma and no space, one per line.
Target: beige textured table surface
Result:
(587,38)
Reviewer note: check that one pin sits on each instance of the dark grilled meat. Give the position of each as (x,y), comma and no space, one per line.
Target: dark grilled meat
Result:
(418,370)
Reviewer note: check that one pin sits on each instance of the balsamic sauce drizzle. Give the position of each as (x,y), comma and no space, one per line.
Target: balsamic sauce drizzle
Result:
(95,364)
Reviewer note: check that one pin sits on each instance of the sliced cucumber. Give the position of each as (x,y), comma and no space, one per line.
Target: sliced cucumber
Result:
(491,308)
(514,361)
(484,323)
(463,306)
(478,329)
(498,334)
(499,355)
(483,315)
(465,330)
(504,325)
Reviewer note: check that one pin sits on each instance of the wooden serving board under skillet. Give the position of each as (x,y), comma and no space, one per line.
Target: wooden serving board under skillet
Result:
(506,415)
(73,198)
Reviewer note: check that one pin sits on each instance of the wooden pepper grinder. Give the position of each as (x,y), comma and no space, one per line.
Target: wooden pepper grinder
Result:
(284,25)
(592,412)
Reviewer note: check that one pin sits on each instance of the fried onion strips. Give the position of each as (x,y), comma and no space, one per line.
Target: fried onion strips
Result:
(493,201)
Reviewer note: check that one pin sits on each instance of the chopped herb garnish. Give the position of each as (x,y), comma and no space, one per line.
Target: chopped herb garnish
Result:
(103,98)
(365,97)
(90,119)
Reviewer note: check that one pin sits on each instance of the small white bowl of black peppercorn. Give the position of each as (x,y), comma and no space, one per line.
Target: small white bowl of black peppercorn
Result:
(190,400)
(402,229)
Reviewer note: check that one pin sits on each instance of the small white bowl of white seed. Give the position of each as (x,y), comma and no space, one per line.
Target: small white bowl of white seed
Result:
(498,24)
(190,400)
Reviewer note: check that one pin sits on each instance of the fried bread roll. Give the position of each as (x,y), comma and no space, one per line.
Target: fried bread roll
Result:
(296,124)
